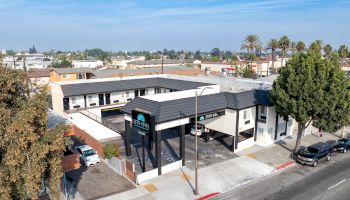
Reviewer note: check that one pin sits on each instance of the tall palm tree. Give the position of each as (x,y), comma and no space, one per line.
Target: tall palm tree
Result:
(252,44)
(316,47)
(273,46)
(327,49)
(284,44)
(300,46)
(293,47)
(343,52)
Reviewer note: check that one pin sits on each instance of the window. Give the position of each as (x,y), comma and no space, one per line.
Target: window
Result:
(66,75)
(127,94)
(262,114)
(90,98)
(246,114)
(74,101)
(263,110)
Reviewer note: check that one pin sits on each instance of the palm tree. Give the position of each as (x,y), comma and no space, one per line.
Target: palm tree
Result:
(293,47)
(284,44)
(327,50)
(300,46)
(273,45)
(316,47)
(343,52)
(252,44)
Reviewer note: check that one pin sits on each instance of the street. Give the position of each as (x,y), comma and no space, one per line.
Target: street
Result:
(329,180)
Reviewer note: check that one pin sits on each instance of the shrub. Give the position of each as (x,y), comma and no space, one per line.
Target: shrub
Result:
(111,150)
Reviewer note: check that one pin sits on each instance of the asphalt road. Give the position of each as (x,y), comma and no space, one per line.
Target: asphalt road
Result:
(329,180)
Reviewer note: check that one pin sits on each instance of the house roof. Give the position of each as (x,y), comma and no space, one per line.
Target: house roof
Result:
(122,85)
(36,73)
(180,108)
(73,70)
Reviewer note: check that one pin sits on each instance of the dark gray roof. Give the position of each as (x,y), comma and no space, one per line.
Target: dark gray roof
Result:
(180,108)
(122,85)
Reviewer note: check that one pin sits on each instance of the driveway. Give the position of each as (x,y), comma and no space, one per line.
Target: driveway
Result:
(98,181)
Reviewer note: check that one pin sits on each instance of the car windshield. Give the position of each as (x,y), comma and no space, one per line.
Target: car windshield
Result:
(343,141)
(198,127)
(311,150)
(89,152)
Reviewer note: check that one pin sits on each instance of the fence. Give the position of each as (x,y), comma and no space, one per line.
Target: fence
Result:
(117,165)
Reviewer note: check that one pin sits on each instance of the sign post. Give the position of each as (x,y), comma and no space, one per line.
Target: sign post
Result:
(144,121)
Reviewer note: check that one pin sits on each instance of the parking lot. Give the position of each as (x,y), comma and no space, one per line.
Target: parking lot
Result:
(97,181)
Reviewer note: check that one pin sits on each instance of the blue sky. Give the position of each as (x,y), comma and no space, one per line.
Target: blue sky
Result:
(172,24)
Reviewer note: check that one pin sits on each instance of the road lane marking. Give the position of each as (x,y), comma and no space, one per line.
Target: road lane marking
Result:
(335,185)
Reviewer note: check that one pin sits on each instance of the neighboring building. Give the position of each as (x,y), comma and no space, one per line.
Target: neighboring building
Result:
(121,62)
(152,63)
(86,63)
(28,61)
(70,74)
(181,70)
(39,76)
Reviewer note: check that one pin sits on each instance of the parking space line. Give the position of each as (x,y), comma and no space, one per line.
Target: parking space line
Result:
(150,187)
(335,185)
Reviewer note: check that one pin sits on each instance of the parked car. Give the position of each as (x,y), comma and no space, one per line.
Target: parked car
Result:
(200,130)
(88,155)
(314,153)
(342,145)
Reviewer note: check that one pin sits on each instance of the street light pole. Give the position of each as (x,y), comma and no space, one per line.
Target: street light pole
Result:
(196,137)
(196,166)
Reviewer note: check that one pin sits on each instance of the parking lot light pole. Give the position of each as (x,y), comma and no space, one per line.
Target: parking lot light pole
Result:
(196,137)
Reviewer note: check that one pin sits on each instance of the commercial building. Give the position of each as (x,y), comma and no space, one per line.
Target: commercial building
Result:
(237,108)
(86,63)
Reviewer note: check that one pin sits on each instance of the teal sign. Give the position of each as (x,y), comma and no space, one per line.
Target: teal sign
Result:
(142,121)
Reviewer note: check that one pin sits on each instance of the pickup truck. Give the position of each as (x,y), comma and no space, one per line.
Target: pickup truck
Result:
(314,153)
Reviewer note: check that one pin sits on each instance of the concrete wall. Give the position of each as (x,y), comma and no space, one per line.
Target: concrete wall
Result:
(79,101)
(57,98)
(249,122)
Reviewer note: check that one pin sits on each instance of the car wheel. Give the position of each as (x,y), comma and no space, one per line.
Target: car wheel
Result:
(329,157)
(344,151)
(315,163)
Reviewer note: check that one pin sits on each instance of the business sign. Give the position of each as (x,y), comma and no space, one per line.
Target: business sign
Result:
(142,120)
(206,116)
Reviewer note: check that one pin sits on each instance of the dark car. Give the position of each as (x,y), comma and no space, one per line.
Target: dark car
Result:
(314,153)
(342,145)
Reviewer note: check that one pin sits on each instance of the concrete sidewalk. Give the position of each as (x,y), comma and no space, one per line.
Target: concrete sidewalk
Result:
(253,163)
(179,184)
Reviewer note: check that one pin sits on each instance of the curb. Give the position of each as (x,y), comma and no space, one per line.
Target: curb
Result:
(284,166)
(208,196)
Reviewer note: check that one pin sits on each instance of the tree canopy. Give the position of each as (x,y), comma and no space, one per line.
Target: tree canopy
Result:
(29,151)
(313,91)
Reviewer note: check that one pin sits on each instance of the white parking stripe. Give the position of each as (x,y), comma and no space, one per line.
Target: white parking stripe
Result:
(335,185)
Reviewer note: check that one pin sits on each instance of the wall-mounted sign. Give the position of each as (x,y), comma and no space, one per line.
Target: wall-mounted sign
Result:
(142,120)
(206,116)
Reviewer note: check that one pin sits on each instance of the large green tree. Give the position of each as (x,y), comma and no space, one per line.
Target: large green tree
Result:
(273,45)
(327,49)
(29,151)
(313,91)
(252,44)
(284,44)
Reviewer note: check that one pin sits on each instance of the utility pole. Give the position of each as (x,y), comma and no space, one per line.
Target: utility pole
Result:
(163,63)
(196,140)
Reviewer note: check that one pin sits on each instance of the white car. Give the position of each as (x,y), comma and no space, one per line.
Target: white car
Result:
(199,132)
(88,155)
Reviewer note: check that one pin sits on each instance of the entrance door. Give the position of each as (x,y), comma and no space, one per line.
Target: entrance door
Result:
(136,93)
(66,104)
(108,98)
(142,92)
(101,100)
